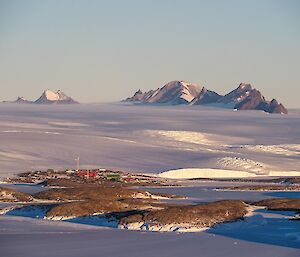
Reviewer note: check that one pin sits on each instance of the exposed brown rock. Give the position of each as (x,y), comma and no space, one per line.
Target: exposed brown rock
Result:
(90,193)
(103,206)
(86,208)
(205,215)
(11,195)
(281,204)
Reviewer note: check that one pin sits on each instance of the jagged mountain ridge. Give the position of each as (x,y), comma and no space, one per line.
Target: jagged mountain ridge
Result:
(22,100)
(174,92)
(47,97)
(206,97)
(58,97)
(244,97)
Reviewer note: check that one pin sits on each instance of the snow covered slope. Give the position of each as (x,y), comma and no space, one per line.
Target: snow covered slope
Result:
(237,95)
(49,97)
(35,238)
(146,139)
(220,173)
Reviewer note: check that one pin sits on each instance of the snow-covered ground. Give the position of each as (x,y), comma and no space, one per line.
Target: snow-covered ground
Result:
(221,173)
(264,227)
(243,164)
(204,191)
(22,237)
(146,138)
(262,233)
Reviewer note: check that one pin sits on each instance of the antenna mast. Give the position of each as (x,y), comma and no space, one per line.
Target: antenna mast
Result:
(77,162)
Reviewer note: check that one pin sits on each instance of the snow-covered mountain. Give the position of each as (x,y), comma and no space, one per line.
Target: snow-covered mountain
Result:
(244,97)
(174,92)
(51,97)
(47,97)
(255,101)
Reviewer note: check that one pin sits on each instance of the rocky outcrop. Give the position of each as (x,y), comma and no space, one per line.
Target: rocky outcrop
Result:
(186,217)
(275,107)
(90,192)
(280,204)
(11,195)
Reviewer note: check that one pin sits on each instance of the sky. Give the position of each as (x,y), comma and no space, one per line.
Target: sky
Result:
(102,51)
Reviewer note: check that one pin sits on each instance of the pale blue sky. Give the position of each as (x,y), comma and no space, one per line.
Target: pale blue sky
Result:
(101,51)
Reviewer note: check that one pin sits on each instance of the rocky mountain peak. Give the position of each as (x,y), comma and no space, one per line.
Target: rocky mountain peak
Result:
(58,97)
(244,87)
(244,97)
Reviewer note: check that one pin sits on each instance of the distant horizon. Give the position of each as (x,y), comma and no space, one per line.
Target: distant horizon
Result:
(268,98)
(104,51)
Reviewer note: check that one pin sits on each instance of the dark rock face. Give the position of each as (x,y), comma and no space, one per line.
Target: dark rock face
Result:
(237,95)
(204,215)
(275,107)
(255,101)
(138,96)
(281,204)
(244,97)
(22,100)
(251,102)
(206,97)
(67,101)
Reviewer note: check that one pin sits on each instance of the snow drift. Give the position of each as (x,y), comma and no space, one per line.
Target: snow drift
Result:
(219,173)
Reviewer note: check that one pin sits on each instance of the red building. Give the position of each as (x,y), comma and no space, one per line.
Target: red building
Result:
(87,173)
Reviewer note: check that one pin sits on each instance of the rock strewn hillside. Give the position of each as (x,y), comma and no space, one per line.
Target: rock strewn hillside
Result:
(280,204)
(90,193)
(11,195)
(189,217)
